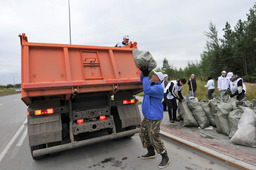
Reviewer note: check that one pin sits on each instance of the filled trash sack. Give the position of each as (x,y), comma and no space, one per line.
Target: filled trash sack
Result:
(208,112)
(221,118)
(144,59)
(233,119)
(186,114)
(246,132)
(198,113)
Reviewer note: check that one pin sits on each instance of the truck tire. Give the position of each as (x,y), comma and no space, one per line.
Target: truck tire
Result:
(130,128)
(54,144)
(33,148)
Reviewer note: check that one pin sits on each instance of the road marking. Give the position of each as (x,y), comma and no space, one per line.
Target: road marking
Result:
(10,143)
(22,138)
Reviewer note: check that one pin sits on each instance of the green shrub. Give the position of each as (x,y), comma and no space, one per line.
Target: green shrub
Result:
(202,92)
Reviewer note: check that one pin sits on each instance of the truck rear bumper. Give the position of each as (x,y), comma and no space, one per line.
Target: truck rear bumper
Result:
(63,147)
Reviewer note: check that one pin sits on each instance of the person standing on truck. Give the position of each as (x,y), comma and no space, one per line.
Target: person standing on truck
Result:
(125,41)
(171,89)
(164,84)
(210,86)
(236,86)
(192,85)
(223,83)
(152,110)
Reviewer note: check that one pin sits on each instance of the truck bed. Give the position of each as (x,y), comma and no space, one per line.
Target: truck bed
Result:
(63,69)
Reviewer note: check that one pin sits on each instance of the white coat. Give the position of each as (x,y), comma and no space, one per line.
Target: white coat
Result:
(210,84)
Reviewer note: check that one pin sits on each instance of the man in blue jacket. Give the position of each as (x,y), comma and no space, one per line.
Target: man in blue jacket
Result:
(152,110)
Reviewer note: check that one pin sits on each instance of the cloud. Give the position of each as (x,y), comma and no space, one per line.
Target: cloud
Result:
(172,29)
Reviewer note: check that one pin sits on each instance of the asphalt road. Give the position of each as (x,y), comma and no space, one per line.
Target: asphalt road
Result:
(110,155)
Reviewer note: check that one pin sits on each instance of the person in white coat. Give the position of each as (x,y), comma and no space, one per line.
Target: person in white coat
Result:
(171,89)
(210,86)
(236,86)
(125,41)
(223,83)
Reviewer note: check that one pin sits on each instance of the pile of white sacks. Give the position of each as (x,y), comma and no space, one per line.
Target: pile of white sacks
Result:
(230,117)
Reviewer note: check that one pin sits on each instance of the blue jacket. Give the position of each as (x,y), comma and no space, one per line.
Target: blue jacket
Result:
(152,107)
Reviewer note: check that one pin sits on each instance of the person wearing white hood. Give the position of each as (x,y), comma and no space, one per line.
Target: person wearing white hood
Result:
(210,86)
(236,86)
(223,83)
(125,41)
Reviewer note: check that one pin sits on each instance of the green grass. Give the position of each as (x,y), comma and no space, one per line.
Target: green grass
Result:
(6,90)
(202,92)
(250,91)
(139,103)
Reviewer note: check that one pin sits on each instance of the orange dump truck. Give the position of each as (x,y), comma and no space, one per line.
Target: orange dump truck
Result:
(77,94)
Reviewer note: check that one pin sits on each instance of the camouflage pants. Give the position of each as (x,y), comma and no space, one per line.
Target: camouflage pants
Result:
(150,134)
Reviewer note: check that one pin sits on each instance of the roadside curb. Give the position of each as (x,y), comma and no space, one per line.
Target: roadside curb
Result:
(217,155)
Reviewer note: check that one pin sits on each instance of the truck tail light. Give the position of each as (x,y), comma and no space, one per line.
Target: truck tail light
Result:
(50,111)
(44,112)
(38,112)
(125,102)
(103,117)
(27,113)
(80,121)
(128,101)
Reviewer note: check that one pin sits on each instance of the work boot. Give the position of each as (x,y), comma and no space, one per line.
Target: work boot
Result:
(151,153)
(171,121)
(165,160)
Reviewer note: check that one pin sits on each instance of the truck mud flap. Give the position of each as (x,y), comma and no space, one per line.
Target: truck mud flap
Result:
(129,115)
(68,146)
(45,129)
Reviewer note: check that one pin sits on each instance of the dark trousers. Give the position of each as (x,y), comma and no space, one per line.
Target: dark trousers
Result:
(165,102)
(210,93)
(240,96)
(172,108)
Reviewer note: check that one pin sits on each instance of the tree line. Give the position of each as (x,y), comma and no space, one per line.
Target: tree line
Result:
(8,86)
(235,52)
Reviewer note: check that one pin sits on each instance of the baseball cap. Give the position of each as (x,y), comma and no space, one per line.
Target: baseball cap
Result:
(165,75)
(126,37)
(230,74)
(159,75)
(224,72)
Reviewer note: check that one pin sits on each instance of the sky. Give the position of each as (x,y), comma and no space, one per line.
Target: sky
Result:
(174,29)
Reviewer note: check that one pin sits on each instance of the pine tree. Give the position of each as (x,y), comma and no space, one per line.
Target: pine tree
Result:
(227,48)
(165,64)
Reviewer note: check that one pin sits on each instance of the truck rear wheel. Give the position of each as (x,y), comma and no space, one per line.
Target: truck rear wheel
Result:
(130,128)
(37,147)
